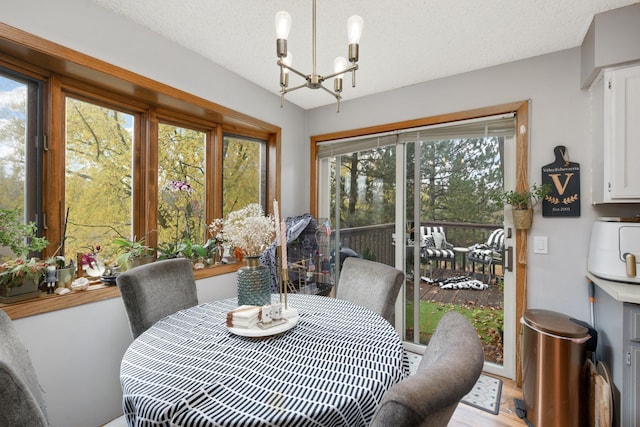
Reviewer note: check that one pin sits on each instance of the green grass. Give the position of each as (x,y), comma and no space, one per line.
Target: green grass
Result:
(487,321)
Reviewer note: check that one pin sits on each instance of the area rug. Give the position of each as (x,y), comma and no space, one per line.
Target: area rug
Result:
(484,395)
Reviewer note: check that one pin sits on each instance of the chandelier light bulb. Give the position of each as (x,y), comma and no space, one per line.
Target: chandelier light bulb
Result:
(339,64)
(283,24)
(354,28)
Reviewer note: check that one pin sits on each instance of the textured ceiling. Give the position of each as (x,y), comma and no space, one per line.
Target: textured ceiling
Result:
(404,42)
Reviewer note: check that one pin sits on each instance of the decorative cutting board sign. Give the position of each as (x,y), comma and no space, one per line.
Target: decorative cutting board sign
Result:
(564,178)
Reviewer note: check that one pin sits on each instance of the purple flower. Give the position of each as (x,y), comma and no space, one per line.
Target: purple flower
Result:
(180,186)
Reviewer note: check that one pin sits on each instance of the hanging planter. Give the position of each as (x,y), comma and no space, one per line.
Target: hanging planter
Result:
(522,218)
(522,203)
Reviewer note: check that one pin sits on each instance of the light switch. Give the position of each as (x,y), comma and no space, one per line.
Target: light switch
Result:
(540,245)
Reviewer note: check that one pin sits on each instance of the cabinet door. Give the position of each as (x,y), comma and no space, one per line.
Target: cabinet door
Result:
(631,408)
(624,88)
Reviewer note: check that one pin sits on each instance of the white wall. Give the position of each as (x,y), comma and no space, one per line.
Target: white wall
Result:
(560,115)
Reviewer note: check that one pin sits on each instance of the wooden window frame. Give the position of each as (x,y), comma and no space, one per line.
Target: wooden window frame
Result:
(66,71)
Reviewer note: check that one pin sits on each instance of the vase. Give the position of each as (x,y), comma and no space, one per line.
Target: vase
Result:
(522,218)
(65,276)
(95,268)
(254,285)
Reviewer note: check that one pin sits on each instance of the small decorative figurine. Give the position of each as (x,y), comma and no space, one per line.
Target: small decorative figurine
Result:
(51,278)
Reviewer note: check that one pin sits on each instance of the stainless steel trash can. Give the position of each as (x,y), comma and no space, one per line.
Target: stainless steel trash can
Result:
(554,384)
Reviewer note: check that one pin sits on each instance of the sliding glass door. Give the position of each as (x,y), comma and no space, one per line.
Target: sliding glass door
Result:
(421,200)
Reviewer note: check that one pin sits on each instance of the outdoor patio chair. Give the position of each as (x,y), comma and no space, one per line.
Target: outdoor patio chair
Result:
(435,246)
(489,253)
(450,367)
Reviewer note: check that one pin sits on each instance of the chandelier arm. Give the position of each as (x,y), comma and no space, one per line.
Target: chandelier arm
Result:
(346,70)
(282,64)
(332,93)
(291,89)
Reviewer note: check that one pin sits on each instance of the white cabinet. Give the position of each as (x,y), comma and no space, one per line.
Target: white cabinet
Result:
(616,136)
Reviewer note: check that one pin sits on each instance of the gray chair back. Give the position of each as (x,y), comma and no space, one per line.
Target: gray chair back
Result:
(153,291)
(21,400)
(370,284)
(450,367)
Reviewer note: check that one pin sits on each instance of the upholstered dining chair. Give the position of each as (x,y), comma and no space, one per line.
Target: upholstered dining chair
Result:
(21,400)
(371,284)
(153,291)
(450,367)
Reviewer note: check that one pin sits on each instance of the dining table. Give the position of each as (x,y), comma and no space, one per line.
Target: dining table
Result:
(328,366)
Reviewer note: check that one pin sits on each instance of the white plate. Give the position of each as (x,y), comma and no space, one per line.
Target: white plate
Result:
(257,331)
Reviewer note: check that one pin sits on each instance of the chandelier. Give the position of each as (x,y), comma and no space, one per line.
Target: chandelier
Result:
(314,80)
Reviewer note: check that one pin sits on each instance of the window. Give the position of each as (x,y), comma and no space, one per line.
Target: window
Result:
(20,137)
(116,143)
(181,184)
(98,177)
(245,172)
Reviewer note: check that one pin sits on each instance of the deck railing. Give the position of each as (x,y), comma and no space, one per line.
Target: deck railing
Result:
(376,242)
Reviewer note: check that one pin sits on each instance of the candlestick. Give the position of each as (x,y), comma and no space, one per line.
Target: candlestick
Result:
(283,238)
(276,216)
(278,267)
(285,278)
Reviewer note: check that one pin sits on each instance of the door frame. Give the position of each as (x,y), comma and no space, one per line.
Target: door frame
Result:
(521,110)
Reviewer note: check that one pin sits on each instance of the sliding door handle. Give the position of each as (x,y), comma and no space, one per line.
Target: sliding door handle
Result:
(508,264)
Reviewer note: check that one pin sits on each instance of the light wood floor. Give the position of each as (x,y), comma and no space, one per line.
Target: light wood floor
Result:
(468,416)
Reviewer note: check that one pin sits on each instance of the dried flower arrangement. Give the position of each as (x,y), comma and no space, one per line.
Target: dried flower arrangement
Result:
(250,230)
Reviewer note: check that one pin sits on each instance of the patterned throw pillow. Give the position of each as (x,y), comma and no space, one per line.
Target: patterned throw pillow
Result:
(429,242)
(438,238)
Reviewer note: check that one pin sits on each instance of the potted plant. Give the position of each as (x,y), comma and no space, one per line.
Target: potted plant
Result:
(522,203)
(132,252)
(20,276)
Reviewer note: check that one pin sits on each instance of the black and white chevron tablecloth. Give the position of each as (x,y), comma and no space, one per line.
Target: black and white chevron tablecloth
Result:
(331,369)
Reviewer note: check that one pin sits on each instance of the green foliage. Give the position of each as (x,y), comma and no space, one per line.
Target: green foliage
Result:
(130,249)
(21,238)
(98,178)
(522,200)
(243,161)
(168,250)
(487,321)
(181,159)
(458,179)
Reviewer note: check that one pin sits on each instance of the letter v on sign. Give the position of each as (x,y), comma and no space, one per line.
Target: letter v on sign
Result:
(556,182)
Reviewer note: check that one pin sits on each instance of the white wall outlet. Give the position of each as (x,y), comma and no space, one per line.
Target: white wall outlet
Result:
(540,245)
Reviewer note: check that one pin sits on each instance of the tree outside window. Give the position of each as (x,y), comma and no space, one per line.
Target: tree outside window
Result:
(181,184)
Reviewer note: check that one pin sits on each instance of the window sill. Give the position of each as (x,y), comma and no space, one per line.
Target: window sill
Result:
(99,292)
